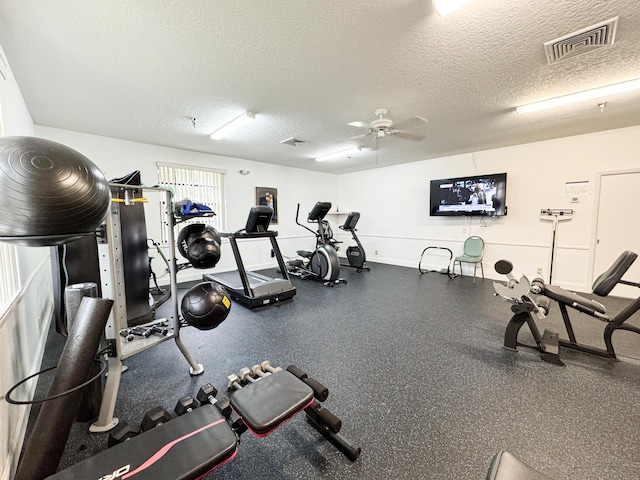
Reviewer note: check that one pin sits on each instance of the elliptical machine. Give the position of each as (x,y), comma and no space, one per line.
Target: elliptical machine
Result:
(323,263)
(355,254)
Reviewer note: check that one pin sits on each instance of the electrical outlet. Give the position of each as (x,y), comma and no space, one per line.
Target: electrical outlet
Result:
(375,252)
(540,270)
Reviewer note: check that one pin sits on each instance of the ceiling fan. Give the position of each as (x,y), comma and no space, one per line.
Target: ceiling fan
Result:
(383,127)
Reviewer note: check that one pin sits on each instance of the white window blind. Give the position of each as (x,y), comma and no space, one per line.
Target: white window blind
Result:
(200,185)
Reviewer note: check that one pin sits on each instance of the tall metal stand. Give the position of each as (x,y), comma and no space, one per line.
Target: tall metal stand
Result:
(112,268)
(555,215)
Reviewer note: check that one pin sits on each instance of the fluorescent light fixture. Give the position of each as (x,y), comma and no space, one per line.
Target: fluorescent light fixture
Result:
(341,153)
(598,93)
(443,7)
(233,125)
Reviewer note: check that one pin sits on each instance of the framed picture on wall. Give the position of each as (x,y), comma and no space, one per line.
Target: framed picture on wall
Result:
(268,196)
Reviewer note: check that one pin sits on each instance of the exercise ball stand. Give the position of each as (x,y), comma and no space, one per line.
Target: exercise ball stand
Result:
(112,273)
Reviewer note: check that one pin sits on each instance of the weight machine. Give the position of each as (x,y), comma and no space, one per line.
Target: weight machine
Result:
(113,264)
(530,302)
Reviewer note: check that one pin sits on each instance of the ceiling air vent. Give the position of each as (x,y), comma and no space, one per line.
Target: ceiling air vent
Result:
(582,41)
(293,141)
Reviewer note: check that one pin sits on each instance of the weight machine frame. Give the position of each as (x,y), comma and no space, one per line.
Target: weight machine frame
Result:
(111,261)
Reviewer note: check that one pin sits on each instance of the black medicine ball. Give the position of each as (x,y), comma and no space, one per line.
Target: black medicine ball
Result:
(192,232)
(205,306)
(203,253)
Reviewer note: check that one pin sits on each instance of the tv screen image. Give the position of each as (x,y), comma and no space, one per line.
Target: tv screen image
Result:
(471,195)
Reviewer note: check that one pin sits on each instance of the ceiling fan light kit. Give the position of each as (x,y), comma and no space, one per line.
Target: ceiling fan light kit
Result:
(233,125)
(596,93)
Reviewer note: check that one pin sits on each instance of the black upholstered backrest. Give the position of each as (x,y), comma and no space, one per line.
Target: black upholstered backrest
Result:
(319,211)
(351,221)
(609,279)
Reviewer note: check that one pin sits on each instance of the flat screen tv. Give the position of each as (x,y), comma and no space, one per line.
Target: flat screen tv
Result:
(472,195)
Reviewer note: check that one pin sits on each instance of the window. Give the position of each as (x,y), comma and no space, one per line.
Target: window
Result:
(200,185)
(9,280)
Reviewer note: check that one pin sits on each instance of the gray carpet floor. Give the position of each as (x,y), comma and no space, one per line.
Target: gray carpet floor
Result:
(417,373)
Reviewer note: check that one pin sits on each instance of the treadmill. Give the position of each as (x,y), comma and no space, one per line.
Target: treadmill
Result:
(252,289)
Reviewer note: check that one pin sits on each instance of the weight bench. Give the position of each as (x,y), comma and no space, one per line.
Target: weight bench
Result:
(505,466)
(174,450)
(526,308)
(193,444)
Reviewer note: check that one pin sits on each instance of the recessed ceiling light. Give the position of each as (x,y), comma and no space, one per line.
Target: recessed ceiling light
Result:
(443,7)
(233,125)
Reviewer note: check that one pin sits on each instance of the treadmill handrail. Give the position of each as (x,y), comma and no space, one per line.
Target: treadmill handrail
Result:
(244,234)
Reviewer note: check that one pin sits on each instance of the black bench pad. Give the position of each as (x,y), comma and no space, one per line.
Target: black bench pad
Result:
(269,402)
(187,447)
(569,298)
(507,467)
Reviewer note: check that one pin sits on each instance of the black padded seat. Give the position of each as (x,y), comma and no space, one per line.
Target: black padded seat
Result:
(569,298)
(187,447)
(505,466)
(266,404)
(610,277)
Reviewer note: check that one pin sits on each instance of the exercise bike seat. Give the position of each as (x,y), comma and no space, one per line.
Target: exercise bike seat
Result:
(571,299)
(266,404)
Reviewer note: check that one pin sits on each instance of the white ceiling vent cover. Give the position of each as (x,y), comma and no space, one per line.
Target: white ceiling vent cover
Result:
(582,41)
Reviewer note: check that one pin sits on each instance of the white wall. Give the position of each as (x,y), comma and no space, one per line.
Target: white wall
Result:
(119,157)
(23,327)
(394,204)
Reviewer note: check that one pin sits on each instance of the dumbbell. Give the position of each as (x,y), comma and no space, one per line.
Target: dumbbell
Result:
(319,391)
(141,332)
(257,371)
(233,382)
(122,432)
(266,366)
(160,330)
(185,405)
(245,376)
(128,336)
(207,393)
(155,417)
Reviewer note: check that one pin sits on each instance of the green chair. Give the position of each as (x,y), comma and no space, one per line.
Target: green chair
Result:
(472,253)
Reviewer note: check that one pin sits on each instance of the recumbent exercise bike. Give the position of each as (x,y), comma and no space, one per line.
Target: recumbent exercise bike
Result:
(355,254)
(323,263)
(527,307)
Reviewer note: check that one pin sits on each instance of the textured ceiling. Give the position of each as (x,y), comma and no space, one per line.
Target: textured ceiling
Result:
(142,70)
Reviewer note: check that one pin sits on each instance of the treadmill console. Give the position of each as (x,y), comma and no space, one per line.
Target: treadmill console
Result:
(259,219)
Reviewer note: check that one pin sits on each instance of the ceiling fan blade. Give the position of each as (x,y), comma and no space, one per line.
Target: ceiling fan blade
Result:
(359,124)
(413,122)
(362,135)
(410,136)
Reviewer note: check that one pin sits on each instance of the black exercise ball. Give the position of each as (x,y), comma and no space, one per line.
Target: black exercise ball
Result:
(193,231)
(203,253)
(51,194)
(205,306)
